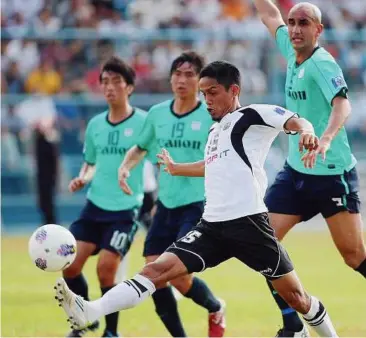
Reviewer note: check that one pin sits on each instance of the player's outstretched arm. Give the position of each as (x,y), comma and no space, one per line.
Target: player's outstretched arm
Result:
(308,140)
(269,14)
(85,176)
(194,169)
(132,158)
(340,112)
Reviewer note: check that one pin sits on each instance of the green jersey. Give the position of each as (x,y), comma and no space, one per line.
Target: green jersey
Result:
(184,136)
(105,146)
(310,90)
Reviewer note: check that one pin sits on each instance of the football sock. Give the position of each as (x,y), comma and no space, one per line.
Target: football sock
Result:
(362,268)
(78,285)
(111,320)
(123,296)
(291,320)
(203,296)
(319,320)
(167,310)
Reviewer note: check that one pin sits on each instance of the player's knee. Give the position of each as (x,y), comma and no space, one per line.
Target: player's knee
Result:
(153,271)
(298,300)
(353,256)
(182,284)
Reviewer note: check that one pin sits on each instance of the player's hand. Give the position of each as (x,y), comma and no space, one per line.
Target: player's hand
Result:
(77,184)
(309,158)
(165,159)
(308,140)
(123,174)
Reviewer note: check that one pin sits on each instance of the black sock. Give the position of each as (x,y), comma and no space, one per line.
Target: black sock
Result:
(202,295)
(362,268)
(78,285)
(167,310)
(291,320)
(111,320)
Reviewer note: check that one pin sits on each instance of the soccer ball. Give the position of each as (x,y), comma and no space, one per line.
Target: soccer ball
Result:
(52,248)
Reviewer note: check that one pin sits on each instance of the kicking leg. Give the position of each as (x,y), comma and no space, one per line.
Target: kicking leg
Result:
(313,311)
(123,296)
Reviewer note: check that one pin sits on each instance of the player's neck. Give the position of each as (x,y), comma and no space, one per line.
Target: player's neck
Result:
(303,55)
(182,106)
(118,113)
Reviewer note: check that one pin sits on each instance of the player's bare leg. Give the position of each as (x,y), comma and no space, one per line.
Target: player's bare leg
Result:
(77,283)
(123,296)
(290,289)
(107,267)
(347,233)
(282,223)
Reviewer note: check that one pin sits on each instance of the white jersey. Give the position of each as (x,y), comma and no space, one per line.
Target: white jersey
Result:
(237,147)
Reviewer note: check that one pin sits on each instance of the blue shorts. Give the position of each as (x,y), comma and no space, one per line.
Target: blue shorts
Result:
(110,230)
(294,193)
(169,225)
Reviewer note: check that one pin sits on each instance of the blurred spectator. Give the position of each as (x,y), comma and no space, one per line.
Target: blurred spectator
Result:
(15,84)
(39,114)
(46,23)
(44,79)
(25,53)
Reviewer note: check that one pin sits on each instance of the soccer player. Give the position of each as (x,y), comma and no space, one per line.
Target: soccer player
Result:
(180,125)
(317,91)
(234,222)
(107,222)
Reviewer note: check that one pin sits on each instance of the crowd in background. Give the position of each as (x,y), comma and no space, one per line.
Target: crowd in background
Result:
(55,47)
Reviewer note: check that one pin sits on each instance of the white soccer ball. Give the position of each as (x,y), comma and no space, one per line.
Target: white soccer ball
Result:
(52,248)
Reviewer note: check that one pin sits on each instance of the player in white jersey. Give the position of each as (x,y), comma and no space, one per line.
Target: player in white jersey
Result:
(235,222)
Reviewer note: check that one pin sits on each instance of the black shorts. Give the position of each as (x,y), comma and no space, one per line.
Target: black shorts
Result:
(295,193)
(110,230)
(168,225)
(249,239)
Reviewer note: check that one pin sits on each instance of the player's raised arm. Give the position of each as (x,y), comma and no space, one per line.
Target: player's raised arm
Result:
(194,169)
(269,14)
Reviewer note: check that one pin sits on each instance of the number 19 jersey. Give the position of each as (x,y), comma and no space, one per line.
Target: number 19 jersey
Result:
(184,136)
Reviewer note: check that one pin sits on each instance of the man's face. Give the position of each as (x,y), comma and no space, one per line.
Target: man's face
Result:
(184,81)
(304,29)
(115,88)
(218,99)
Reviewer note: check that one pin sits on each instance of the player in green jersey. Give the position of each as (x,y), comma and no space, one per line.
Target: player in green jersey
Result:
(328,183)
(180,125)
(107,223)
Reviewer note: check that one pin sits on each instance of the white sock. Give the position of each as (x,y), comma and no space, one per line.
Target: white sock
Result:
(318,319)
(123,296)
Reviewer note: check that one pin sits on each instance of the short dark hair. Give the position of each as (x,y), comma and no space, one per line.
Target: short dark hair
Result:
(195,59)
(225,73)
(117,65)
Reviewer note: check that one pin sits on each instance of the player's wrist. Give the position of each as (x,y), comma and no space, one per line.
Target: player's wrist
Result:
(326,138)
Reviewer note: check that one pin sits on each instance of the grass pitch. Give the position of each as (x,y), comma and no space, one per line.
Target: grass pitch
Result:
(29,307)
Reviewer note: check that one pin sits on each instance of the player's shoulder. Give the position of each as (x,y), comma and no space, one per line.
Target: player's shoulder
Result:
(98,118)
(139,114)
(164,106)
(322,57)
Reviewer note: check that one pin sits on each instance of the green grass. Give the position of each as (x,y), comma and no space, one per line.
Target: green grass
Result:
(29,308)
